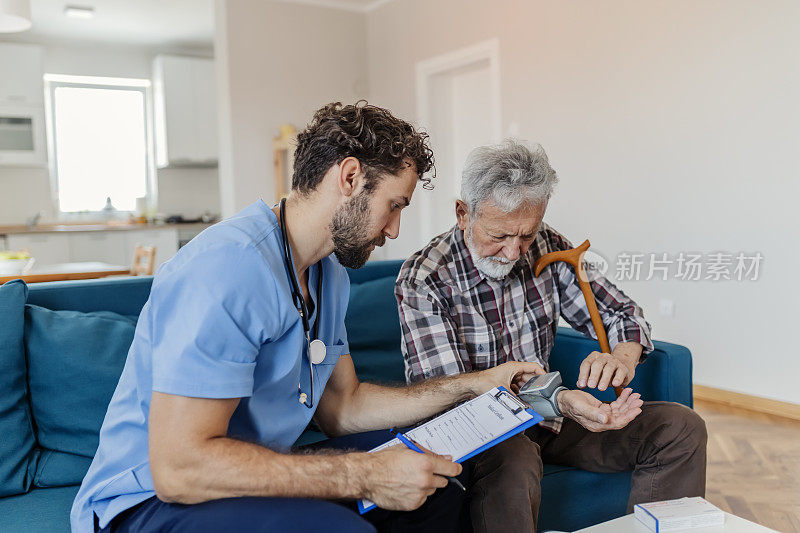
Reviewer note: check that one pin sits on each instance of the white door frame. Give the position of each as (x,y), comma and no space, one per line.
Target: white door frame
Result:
(428,68)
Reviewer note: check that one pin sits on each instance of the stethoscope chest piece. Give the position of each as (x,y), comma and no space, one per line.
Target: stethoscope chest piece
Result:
(317,351)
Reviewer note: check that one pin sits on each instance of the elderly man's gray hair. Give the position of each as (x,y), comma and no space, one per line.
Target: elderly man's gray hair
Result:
(509,174)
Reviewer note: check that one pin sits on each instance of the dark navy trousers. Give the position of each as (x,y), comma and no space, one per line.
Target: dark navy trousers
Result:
(446,510)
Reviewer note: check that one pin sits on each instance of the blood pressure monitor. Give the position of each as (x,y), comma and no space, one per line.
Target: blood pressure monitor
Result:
(541,393)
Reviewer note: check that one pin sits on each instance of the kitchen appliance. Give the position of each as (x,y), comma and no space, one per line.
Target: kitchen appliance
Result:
(22,135)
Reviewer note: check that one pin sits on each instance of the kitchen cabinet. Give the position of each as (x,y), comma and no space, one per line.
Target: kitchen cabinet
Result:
(103,246)
(22,124)
(165,241)
(185,109)
(115,247)
(46,248)
(22,68)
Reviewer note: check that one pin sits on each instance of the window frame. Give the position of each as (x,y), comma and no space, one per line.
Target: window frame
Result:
(55,81)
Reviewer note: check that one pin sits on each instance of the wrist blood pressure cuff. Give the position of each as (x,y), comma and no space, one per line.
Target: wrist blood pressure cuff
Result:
(541,393)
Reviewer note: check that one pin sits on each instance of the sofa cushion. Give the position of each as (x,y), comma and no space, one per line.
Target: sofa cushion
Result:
(373,331)
(59,469)
(39,511)
(81,356)
(17,444)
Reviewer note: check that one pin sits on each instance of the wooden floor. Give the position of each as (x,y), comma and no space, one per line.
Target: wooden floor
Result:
(753,465)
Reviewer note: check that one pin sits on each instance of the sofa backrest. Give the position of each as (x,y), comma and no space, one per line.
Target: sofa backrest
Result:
(372,321)
(124,296)
(373,324)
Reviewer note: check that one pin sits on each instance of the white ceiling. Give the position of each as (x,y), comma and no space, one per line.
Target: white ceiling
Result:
(144,22)
(188,23)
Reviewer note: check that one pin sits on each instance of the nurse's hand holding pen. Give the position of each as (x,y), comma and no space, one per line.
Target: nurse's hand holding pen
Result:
(401,479)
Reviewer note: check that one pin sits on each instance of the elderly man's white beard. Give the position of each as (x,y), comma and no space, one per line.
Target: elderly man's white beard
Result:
(495,267)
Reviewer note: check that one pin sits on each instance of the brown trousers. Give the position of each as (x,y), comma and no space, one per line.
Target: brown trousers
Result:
(665,447)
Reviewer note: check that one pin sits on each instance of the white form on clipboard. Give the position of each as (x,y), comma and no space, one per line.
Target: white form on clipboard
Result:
(470,428)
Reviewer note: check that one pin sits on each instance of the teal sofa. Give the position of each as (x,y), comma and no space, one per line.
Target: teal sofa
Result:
(63,345)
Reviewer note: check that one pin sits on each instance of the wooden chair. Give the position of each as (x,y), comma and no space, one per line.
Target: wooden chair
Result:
(144,260)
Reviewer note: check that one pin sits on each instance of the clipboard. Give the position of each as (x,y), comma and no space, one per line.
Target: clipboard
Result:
(452,431)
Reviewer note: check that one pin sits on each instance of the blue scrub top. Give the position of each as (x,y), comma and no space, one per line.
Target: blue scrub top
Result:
(219,323)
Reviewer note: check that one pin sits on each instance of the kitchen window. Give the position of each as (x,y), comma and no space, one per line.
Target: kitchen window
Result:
(100,142)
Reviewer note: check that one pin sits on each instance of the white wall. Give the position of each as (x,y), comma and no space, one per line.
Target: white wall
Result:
(188,191)
(673,126)
(276,64)
(93,59)
(27,191)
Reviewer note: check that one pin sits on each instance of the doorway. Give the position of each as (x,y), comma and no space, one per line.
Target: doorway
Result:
(458,104)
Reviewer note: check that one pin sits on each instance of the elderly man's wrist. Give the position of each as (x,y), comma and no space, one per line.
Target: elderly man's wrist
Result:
(562,401)
(628,352)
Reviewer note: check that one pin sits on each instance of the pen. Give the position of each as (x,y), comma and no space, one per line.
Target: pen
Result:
(413,446)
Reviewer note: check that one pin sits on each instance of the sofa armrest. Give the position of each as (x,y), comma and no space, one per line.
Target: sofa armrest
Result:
(666,374)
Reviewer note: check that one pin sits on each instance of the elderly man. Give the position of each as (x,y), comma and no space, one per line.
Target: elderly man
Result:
(469,301)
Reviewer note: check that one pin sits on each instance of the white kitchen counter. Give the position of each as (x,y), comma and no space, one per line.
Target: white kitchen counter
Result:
(105,243)
(72,228)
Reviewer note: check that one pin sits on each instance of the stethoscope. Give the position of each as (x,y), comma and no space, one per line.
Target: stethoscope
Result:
(315,349)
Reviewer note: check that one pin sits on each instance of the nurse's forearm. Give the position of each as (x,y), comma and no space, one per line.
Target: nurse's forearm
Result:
(348,406)
(192,459)
(226,468)
(378,407)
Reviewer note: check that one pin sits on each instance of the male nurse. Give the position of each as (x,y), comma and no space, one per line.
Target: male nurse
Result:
(219,383)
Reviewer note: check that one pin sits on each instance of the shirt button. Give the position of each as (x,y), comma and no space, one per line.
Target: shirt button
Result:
(511,324)
(480,347)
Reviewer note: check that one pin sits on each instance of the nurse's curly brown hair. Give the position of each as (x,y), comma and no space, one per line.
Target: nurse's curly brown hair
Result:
(380,141)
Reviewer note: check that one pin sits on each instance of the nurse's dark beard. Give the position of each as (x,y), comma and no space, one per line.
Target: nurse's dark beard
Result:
(350,232)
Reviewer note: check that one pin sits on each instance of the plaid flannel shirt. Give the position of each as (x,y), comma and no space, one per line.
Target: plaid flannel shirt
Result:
(454,319)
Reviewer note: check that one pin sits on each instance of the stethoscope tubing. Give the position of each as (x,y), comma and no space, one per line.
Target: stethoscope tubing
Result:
(300,304)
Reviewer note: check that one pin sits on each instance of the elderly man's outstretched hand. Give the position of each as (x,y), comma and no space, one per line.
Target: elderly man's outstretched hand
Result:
(597,416)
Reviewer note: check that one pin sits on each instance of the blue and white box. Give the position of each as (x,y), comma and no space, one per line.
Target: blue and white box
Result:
(673,515)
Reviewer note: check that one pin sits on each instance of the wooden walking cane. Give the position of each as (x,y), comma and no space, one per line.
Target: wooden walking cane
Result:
(575,258)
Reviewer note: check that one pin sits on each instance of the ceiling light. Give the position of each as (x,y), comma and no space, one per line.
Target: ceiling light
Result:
(79,12)
(15,15)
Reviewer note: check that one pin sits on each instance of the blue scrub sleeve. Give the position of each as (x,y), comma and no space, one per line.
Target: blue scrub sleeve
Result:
(210,317)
